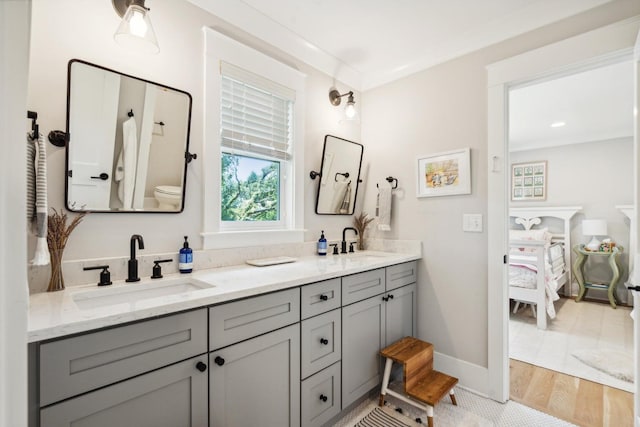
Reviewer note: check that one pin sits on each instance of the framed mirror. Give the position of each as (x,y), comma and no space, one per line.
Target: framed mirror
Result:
(127,142)
(339,176)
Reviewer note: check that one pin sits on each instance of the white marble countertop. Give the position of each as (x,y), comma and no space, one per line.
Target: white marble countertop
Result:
(56,314)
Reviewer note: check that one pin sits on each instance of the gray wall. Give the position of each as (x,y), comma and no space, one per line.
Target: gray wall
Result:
(596,176)
(440,109)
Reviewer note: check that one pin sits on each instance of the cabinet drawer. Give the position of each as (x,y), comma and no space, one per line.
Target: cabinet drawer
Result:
(401,274)
(362,285)
(75,365)
(321,396)
(240,320)
(175,395)
(321,342)
(320,297)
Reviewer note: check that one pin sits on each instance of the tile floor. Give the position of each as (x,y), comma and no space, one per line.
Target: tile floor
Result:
(577,326)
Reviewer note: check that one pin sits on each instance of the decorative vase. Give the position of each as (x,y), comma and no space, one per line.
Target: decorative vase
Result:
(56,281)
(361,241)
(361,221)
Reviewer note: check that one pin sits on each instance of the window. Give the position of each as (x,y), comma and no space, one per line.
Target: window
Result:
(253,147)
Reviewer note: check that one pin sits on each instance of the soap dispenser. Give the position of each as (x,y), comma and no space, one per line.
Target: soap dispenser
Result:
(322,244)
(185,262)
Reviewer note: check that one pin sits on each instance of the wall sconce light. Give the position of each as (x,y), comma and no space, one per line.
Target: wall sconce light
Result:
(350,109)
(135,29)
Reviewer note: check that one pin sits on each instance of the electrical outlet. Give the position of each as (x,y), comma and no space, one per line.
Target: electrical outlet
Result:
(472,223)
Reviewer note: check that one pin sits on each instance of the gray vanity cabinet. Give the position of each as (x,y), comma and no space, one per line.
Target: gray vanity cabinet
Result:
(172,396)
(257,382)
(371,324)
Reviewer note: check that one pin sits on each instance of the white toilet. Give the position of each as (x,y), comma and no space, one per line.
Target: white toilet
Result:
(169,197)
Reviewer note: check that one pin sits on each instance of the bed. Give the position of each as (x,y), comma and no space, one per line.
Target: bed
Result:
(539,258)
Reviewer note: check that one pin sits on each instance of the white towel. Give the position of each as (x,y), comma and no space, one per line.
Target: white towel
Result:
(125,174)
(383,208)
(346,201)
(37,197)
(339,190)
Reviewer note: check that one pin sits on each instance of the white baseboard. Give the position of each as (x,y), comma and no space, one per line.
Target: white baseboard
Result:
(470,376)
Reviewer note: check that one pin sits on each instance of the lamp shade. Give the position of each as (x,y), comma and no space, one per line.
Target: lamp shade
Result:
(594,227)
(135,31)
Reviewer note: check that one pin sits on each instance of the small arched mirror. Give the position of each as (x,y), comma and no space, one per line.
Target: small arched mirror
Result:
(339,176)
(127,140)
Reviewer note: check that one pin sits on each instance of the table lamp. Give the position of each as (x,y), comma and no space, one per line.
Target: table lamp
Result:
(594,228)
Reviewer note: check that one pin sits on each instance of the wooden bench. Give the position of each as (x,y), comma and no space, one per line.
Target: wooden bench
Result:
(424,385)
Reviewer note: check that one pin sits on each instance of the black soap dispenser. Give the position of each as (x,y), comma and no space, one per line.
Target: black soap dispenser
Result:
(185,263)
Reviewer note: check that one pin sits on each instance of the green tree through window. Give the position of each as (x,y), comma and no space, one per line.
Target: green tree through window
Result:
(250,189)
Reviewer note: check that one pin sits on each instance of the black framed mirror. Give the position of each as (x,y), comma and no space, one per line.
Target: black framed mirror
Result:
(339,176)
(128,140)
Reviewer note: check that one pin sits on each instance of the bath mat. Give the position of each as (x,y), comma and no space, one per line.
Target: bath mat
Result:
(384,417)
(616,363)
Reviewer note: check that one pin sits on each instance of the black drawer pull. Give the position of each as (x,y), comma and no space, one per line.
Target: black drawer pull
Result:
(324,341)
(323,398)
(219,361)
(201,366)
(324,297)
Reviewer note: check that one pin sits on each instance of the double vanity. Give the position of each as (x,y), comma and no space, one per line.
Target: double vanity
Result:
(284,345)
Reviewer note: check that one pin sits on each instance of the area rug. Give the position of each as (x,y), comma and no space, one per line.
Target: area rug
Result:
(616,363)
(472,411)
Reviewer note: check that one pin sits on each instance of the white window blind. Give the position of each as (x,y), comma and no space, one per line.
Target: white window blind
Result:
(256,114)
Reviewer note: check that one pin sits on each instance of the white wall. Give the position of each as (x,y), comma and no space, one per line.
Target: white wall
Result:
(440,109)
(66,29)
(14,41)
(596,176)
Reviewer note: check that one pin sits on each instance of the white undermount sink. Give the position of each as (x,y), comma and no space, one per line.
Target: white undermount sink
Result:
(131,293)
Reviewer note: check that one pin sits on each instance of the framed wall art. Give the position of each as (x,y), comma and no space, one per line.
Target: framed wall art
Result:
(444,174)
(529,181)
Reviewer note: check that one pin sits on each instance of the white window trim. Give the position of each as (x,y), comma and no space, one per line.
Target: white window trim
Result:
(217,48)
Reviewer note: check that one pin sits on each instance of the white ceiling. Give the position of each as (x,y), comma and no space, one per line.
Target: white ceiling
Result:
(366,43)
(595,105)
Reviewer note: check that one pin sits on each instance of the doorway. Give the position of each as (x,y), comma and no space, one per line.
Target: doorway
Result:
(579,126)
(606,45)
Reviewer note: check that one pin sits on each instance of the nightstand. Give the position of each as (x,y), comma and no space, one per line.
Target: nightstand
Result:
(578,271)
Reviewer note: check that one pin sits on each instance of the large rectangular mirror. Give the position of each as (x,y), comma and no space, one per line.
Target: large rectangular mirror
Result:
(127,139)
(339,176)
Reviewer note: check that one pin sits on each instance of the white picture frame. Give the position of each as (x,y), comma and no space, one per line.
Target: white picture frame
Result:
(444,174)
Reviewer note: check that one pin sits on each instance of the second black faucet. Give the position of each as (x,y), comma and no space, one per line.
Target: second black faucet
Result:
(343,245)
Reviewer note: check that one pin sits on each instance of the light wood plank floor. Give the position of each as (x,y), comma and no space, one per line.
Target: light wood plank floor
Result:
(572,399)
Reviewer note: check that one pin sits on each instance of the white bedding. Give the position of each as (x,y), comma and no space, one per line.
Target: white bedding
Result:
(523,273)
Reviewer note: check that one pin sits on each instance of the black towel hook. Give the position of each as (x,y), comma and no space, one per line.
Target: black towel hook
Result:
(130,113)
(34,124)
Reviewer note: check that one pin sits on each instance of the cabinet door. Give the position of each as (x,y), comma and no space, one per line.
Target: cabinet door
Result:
(362,339)
(172,396)
(321,397)
(257,382)
(400,314)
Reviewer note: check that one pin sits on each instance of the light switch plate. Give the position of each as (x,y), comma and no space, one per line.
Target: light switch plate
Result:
(472,223)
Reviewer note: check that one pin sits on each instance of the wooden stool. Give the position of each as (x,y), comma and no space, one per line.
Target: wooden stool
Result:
(421,381)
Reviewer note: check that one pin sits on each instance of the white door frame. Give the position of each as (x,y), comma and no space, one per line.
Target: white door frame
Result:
(591,49)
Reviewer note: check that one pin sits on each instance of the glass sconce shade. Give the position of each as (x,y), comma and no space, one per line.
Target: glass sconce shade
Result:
(136,32)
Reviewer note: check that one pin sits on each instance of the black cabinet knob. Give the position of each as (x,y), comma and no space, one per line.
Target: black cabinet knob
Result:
(390,296)
(324,297)
(323,398)
(385,299)
(201,366)
(219,361)
(324,341)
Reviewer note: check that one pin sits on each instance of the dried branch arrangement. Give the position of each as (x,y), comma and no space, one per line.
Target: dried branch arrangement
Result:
(360,222)
(57,235)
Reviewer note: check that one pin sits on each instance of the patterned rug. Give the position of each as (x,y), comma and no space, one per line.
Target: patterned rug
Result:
(472,411)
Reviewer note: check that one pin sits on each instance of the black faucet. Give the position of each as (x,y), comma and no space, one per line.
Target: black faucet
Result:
(344,240)
(133,262)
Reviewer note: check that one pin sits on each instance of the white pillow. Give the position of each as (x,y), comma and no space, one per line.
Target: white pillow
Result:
(537,234)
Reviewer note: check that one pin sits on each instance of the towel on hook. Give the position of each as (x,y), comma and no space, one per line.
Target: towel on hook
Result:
(37,197)
(339,191)
(125,174)
(346,201)
(383,208)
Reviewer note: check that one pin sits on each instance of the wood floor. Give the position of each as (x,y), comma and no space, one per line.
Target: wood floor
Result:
(572,399)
